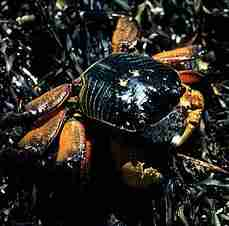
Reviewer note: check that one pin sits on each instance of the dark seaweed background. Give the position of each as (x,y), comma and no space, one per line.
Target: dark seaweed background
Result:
(54,46)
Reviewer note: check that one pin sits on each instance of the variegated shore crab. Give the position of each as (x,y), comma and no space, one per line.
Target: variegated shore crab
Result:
(128,92)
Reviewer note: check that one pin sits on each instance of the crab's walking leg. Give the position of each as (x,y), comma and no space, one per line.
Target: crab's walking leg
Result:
(200,165)
(189,77)
(50,101)
(73,142)
(177,54)
(43,135)
(74,145)
(125,35)
(193,101)
(187,60)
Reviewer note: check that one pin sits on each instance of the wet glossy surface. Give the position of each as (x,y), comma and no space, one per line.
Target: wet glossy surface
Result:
(179,54)
(187,60)
(50,100)
(44,135)
(129,92)
(72,140)
(125,35)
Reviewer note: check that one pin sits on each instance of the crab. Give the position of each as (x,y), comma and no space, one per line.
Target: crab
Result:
(130,93)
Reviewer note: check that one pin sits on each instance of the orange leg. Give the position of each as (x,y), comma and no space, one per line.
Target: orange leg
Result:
(72,140)
(178,54)
(189,77)
(187,61)
(74,143)
(44,135)
(50,100)
(126,33)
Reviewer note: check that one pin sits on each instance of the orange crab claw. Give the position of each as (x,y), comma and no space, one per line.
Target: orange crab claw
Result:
(50,100)
(73,142)
(44,134)
(125,35)
(193,102)
(187,60)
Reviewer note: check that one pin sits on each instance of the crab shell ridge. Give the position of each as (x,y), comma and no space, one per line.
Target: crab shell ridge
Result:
(134,93)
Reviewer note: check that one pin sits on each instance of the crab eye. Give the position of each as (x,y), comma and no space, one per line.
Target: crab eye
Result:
(124,46)
(175,97)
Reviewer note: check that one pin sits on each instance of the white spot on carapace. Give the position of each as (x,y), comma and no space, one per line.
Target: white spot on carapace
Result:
(176,140)
(123,82)
(152,88)
(135,73)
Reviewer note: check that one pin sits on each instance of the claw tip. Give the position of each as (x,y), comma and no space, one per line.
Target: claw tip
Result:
(176,140)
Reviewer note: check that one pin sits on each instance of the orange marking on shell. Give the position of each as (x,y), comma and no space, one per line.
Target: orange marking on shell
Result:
(44,134)
(189,77)
(126,31)
(72,140)
(50,100)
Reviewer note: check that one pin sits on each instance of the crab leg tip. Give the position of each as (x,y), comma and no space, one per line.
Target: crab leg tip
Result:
(176,140)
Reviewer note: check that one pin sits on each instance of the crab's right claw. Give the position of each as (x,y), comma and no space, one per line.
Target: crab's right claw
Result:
(193,101)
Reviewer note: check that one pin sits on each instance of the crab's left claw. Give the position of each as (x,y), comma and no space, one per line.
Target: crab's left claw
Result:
(193,102)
